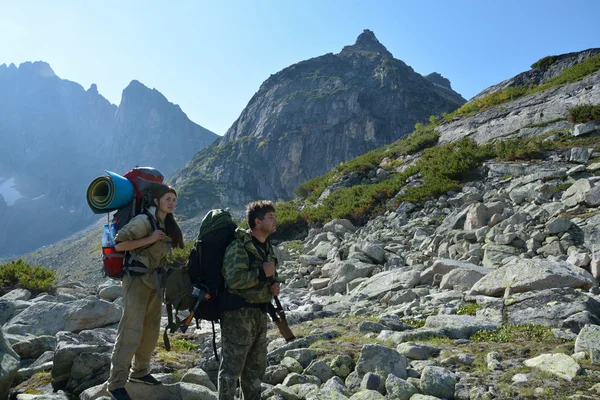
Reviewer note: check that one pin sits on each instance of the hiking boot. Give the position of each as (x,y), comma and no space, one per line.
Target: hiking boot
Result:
(148,380)
(119,394)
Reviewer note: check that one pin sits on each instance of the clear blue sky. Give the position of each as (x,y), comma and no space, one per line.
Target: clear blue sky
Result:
(211,57)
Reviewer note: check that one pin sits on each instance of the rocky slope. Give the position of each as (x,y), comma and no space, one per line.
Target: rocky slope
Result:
(57,137)
(309,117)
(434,299)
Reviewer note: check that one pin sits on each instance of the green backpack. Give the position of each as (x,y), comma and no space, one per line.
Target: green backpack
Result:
(198,286)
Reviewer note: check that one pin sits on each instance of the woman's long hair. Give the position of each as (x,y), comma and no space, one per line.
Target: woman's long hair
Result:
(171,228)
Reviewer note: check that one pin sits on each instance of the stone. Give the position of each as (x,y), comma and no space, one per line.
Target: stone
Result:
(381,360)
(477,217)
(373,381)
(415,351)
(199,377)
(69,349)
(438,382)
(48,318)
(17,294)
(564,308)
(588,340)
(319,369)
(558,364)
(9,365)
(576,193)
(34,346)
(585,128)
(342,365)
(493,359)
(400,389)
(558,225)
(177,391)
(307,260)
(303,356)
(292,365)
(388,281)
(459,326)
(339,226)
(367,395)
(275,374)
(373,251)
(592,198)
(319,283)
(580,155)
(461,279)
(494,255)
(532,274)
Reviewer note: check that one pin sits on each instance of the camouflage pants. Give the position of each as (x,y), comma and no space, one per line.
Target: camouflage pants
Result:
(243,352)
(138,330)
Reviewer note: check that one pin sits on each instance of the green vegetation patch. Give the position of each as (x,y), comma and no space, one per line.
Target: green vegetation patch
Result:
(544,62)
(468,309)
(584,113)
(23,275)
(514,333)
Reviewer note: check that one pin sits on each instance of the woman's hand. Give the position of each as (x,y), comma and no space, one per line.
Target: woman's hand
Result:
(157,235)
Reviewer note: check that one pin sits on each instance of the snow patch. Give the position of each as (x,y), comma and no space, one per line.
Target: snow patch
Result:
(8,191)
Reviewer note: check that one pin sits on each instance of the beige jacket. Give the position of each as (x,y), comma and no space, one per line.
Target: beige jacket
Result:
(154,256)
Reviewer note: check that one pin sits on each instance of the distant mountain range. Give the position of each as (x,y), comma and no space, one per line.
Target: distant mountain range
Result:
(56,137)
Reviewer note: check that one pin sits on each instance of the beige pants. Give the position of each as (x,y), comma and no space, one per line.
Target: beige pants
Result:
(138,330)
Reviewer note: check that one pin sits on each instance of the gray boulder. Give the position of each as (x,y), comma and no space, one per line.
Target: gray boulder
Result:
(558,364)
(399,388)
(532,274)
(177,391)
(82,360)
(197,376)
(8,366)
(388,281)
(381,360)
(459,326)
(34,346)
(50,318)
(438,382)
(17,294)
(588,340)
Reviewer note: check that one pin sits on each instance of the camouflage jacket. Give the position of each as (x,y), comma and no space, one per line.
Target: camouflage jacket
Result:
(241,268)
(153,256)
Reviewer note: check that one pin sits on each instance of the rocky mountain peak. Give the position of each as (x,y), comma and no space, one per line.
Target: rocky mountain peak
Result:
(366,42)
(438,79)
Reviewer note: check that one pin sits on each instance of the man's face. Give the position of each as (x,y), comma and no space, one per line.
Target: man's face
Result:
(268,225)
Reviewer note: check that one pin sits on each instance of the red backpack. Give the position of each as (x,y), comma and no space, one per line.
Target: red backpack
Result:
(142,179)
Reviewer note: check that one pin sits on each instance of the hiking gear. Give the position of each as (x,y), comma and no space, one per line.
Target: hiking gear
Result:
(119,394)
(138,331)
(147,379)
(109,192)
(243,269)
(203,272)
(129,195)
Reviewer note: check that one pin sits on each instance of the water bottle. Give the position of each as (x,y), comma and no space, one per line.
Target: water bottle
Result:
(107,239)
(113,232)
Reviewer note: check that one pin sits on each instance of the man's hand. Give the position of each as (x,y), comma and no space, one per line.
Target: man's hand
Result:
(269,269)
(274,288)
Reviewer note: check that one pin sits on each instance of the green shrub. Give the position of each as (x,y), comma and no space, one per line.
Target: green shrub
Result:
(544,62)
(514,333)
(468,309)
(519,149)
(31,277)
(180,256)
(287,215)
(584,113)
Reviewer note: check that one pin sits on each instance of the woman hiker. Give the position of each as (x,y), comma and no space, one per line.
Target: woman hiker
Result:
(139,327)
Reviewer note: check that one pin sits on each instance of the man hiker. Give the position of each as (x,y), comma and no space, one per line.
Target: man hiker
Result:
(250,284)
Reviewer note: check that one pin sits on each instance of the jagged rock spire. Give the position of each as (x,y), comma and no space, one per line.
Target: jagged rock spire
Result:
(367,42)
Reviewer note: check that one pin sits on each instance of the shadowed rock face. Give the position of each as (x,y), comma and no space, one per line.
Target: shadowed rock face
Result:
(308,118)
(57,136)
